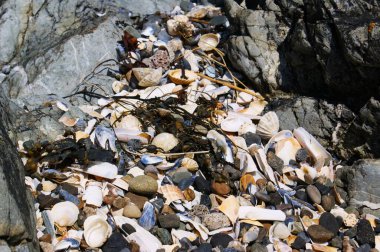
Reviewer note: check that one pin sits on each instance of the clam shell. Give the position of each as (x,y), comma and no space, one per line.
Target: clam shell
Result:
(283,134)
(96,231)
(125,135)
(257,213)
(263,163)
(66,244)
(93,194)
(171,193)
(152,79)
(320,155)
(268,125)
(128,122)
(165,141)
(65,213)
(230,207)
(286,149)
(208,42)
(233,124)
(306,169)
(219,143)
(102,169)
(247,127)
(175,76)
(148,216)
(190,164)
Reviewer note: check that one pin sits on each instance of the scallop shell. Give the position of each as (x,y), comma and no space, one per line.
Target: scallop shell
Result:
(175,77)
(93,194)
(268,125)
(96,231)
(230,207)
(102,169)
(320,155)
(286,149)
(171,193)
(152,79)
(65,213)
(165,141)
(257,213)
(233,124)
(190,164)
(208,42)
(148,216)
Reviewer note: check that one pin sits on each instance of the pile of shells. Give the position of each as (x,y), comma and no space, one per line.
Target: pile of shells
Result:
(182,158)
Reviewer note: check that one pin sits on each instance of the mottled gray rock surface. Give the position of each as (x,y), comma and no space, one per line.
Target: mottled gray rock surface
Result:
(324,49)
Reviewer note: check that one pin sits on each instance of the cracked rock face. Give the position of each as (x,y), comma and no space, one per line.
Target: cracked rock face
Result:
(323,49)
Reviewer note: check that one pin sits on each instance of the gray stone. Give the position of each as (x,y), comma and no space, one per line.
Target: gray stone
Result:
(143,185)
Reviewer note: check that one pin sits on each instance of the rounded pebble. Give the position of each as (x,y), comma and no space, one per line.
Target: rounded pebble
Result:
(143,184)
(314,194)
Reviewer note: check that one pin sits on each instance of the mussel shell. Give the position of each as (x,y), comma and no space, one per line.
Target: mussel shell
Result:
(148,216)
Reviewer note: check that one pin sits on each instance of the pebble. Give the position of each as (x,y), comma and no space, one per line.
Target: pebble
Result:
(320,234)
(119,202)
(251,235)
(351,233)
(163,234)
(365,233)
(314,194)
(251,138)
(275,162)
(350,220)
(202,185)
(301,155)
(215,221)
(179,176)
(169,220)
(150,169)
(220,239)
(116,242)
(281,231)
(70,188)
(129,229)
(301,194)
(257,247)
(220,188)
(138,200)
(328,221)
(131,211)
(337,242)
(263,196)
(204,247)
(328,202)
(199,210)
(299,243)
(143,185)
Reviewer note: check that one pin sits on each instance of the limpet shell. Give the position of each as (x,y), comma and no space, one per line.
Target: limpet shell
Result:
(175,77)
(268,125)
(165,141)
(208,42)
(65,213)
(96,231)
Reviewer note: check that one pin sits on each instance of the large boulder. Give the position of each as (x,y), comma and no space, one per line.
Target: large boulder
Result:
(324,49)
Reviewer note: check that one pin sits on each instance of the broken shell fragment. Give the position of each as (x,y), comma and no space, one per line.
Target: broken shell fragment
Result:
(268,125)
(257,213)
(190,164)
(171,193)
(286,149)
(65,213)
(102,169)
(208,42)
(165,141)
(219,143)
(230,207)
(96,231)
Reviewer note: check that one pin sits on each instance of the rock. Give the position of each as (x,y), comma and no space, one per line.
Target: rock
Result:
(314,194)
(365,234)
(299,243)
(116,242)
(204,247)
(275,162)
(220,188)
(328,202)
(215,221)
(199,211)
(337,242)
(202,185)
(281,231)
(301,155)
(251,138)
(263,196)
(320,234)
(143,185)
(220,240)
(163,234)
(179,176)
(251,235)
(169,221)
(257,247)
(132,211)
(138,200)
(301,194)
(328,221)
(351,232)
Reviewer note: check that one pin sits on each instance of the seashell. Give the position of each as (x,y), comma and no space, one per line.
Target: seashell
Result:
(230,207)
(48,222)
(67,244)
(233,124)
(104,137)
(219,143)
(306,169)
(198,12)
(178,234)
(323,248)
(96,231)
(141,236)
(283,134)
(208,42)
(286,149)
(129,122)
(157,91)
(171,25)
(251,235)
(102,169)
(268,125)
(81,135)
(48,186)
(148,216)
(165,141)
(171,193)
(93,194)
(91,110)
(247,127)
(118,86)
(190,164)
(125,135)
(245,181)
(151,79)
(62,106)
(65,213)
(257,213)
(263,163)
(350,220)
(151,160)
(214,92)
(68,121)
(203,231)
(244,98)
(280,246)
(192,59)
(278,231)
(320,155)
(176,77)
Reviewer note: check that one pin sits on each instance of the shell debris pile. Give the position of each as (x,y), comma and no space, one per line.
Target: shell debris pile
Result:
(184,157)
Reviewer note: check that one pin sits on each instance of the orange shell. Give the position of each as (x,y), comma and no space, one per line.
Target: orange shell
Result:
(175,77)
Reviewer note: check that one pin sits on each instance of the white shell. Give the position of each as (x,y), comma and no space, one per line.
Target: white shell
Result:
(320,155)
(286,149)
(165,141)
(103,169)
(96,231)
(128,122)
(93,194)
(257,213)
(48,186)
(244,98)
(219,143)
(233,124)
(247,127)
(65,213)
(268,125)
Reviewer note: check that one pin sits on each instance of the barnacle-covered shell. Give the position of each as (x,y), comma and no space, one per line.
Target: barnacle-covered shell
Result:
(96,231)
(65,213)
(268,125)
(176,76)
(165,141)
(171,193)
(208,42)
